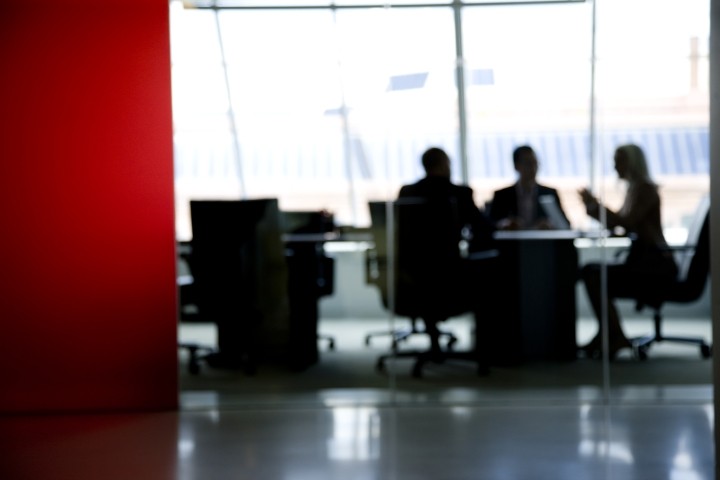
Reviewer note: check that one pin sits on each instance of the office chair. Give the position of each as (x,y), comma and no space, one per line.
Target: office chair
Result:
(188,309)
(693,261)
(311,273)
(376,273)
(430,279)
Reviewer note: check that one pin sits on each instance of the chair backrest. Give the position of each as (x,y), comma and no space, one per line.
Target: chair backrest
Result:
(376,258)
(422,250)
(428,257)
(428,236)
(694,261)
(685,255)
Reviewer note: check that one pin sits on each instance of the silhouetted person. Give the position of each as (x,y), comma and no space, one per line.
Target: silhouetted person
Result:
(648,264)
(436,185)
(445,269)
(517,207)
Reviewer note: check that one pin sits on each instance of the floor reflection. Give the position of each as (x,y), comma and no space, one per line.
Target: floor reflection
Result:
(586,441)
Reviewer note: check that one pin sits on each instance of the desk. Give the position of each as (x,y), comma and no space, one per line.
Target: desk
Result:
(310,277)
(247,329)
(533,309)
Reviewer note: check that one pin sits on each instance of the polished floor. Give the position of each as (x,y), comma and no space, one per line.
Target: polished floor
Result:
(651,421)
(654,441)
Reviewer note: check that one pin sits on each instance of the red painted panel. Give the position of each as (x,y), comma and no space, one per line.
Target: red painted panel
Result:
(87,291)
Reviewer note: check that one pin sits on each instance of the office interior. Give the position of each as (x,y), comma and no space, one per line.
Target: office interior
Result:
(138,125)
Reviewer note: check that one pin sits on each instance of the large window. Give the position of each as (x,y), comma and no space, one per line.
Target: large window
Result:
(321,109)
(529,82)
(329,108)
(652,89)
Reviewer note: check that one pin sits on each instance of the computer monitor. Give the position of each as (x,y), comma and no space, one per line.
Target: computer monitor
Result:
(307,221)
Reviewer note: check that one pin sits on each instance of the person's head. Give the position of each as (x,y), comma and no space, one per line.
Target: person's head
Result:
(630,163)
(436,162)
(526,163)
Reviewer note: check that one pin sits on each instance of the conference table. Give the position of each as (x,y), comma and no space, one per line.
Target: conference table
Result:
(527,297)
(531,312)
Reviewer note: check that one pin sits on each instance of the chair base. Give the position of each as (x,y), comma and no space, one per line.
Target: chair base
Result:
(426,356)
(329,339)
(468,356)
(215,359)
(641,345)
(197,353)
(401,334)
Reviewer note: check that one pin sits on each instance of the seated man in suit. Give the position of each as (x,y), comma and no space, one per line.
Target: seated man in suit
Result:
(468,222)
(518,207)
(437,185)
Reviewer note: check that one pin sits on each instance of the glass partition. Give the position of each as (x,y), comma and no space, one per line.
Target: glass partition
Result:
(652,91)
(328,110)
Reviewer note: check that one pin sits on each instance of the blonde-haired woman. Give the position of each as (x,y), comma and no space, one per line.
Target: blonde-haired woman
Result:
(648,265)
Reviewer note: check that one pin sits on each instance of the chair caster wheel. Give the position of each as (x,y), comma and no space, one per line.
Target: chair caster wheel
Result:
(642,353)
(380,366)
(331,345)
(705,351)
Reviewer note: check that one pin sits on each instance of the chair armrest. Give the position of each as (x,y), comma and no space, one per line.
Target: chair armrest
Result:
(374,265)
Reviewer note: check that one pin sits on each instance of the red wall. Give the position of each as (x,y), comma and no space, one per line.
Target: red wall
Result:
(87,269)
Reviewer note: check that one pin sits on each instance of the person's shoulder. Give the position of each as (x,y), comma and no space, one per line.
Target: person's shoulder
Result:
(647,189)
(510,189)
(462,189)
(409,190)
(545,190)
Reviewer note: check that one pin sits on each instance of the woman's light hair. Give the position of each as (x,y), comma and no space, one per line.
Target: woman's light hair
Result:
(637,174)
(637,165)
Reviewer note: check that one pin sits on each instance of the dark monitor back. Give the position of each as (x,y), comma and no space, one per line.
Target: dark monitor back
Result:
(306,221)
(226,222)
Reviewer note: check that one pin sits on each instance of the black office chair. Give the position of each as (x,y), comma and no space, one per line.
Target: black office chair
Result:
(376,273)
(693,260)
(188,308)
(311,272)
(430,279)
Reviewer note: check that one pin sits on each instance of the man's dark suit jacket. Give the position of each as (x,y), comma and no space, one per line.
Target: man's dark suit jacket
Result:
(440,284)
(441,188)
(505,203)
